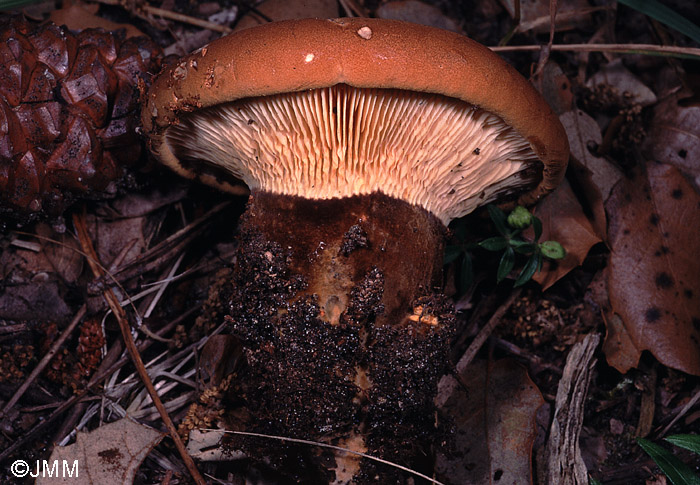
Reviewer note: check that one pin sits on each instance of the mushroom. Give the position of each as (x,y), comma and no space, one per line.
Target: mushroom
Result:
(359,141)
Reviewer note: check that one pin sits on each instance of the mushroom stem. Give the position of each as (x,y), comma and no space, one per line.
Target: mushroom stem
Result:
(335,243)
(336,303)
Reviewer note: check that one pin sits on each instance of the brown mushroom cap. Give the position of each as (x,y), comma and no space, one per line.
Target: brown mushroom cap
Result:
(332,62)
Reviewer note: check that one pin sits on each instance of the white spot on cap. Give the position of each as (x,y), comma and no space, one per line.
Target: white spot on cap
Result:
(309,58)
(365,32)
(180,72)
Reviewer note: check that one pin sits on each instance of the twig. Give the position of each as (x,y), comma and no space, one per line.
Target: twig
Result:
(16,328)
(353,8)
(484,333)
(186,19)
(120,314)
(101,374)
(650,49)
(45,360)
(152,258)
(534,360)
(689,405)
(170,15)
(563,453)
(332,447)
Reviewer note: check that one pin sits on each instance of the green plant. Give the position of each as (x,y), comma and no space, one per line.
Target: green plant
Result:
(511,242)
(675,470)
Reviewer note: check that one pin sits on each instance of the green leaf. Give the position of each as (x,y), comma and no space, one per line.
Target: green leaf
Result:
(677,472)
(523,247)
(552,250)
(506,264)
(499,219)
(593,481)
(537,226)
(665,15)
(527,272)
(496,243)
(451,254)
(688,441)
(467,273)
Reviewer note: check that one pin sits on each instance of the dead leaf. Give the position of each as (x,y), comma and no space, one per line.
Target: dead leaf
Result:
(674,136)
(534,15)
(583,132)
(555,88)
(286,10)
(33,300)
(110,454)
(63,255)
(77,16)
(654,269)
(620,351)
(218,358)
(616,75)
(127,223)
(205,445)
(495,424)
(32,271)
(563,220)
(418,13)
(55,254)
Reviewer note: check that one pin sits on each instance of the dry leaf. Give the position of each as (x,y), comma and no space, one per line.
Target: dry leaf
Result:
(418,13)
(563,220)
(620,351)
(534,15)
(555,88)
(654,271)
(595,176)
(32,271)
(286,10)
(206,446)
(218,358)
(495,424)
(674,135)
(33,300)
(616,75)
(64,255)
(584,132)
(76,16)
(110,454)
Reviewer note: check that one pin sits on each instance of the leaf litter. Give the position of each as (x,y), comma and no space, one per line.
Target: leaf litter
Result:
(644,303)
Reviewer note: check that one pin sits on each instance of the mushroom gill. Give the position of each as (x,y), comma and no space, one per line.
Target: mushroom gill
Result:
(429,150)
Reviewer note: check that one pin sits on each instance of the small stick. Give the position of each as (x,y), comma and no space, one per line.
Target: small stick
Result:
(352,8)
(484,333)
(688,406)
(45,360)
(97,378)
(621,48)
(121,317)
(186,19)
(170,15)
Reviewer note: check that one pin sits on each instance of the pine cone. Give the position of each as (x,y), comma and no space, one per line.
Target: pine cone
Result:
(69,109)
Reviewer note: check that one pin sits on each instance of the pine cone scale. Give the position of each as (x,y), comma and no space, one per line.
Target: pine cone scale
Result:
(66,100)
